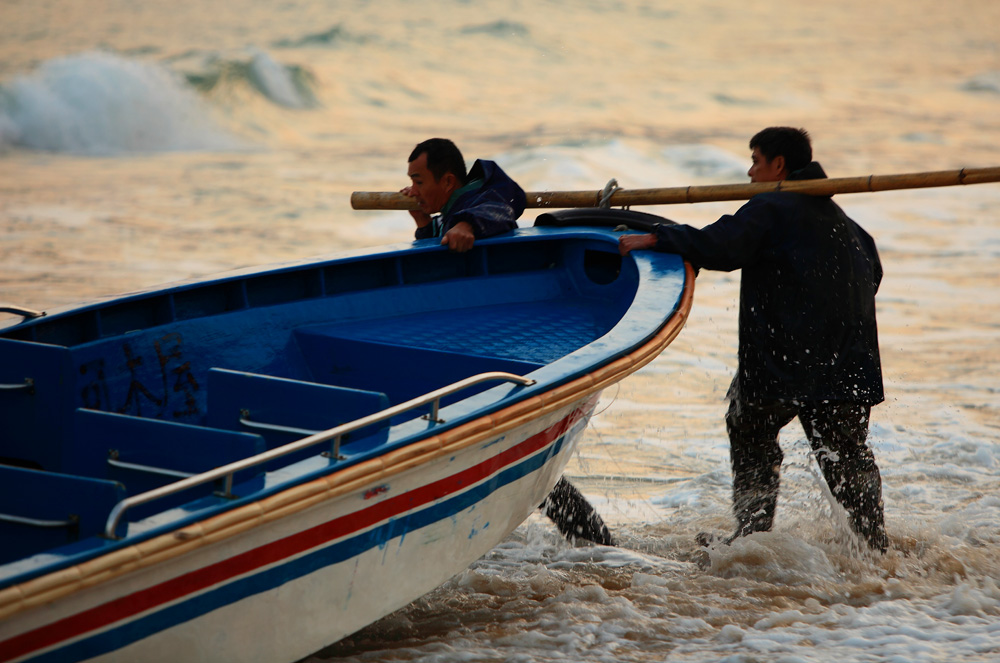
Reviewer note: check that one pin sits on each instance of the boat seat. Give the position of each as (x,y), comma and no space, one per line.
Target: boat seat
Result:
(362,357)
(144,454)
(41,510)
(32,434)
(282,410)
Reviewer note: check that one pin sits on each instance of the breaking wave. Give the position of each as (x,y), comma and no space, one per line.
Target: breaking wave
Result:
(101,103)
(289,86)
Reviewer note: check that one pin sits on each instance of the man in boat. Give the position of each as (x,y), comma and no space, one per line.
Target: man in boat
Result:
(475,205)
(808,343)
(469,205)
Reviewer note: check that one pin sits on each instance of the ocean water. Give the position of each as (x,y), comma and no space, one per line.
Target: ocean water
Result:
(144,141)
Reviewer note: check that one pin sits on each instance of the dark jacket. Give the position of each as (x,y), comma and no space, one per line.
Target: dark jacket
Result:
(807,295)
(490,208)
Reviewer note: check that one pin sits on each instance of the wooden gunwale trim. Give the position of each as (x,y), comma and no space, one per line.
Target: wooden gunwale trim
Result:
(62,583)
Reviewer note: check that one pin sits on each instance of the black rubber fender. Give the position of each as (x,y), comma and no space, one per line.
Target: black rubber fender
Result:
(602,218)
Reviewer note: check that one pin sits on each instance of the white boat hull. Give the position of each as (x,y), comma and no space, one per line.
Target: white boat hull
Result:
(287,586)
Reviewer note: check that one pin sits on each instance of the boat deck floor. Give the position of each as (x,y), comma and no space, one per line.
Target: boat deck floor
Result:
(507,331)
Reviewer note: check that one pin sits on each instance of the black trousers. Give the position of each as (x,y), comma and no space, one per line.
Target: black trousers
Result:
(837,432)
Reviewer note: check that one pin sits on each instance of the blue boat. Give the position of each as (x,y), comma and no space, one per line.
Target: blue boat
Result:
(252,466)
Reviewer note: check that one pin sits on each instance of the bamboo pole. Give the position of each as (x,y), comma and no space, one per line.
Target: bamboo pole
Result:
(367,200)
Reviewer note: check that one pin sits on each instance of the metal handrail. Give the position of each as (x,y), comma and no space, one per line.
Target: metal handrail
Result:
(256,425)
(72,521)
(28,385)
(225,472)
(149,469)
(25,313)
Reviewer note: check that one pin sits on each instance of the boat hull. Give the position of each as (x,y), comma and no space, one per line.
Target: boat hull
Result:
(229,599)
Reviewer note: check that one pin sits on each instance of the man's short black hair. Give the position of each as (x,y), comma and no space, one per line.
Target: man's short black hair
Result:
(442,157)
(793,144)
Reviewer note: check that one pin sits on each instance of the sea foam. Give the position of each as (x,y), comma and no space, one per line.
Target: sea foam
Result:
(100,103)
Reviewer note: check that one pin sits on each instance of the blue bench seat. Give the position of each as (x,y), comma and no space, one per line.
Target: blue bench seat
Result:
(144,454)
(283,410)
(41,510)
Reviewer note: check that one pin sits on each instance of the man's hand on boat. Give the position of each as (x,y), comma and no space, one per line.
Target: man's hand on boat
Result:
(460,238)
(628,243)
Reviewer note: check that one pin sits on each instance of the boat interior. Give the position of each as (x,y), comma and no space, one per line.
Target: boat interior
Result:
(115,399)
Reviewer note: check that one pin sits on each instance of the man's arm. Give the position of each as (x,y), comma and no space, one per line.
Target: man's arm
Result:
(488,215)
(730,243)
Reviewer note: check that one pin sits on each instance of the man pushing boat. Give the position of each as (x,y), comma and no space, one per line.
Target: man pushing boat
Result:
(808,343)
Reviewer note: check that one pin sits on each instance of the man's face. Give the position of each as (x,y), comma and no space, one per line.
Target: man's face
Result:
(430,194)
(763,170)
